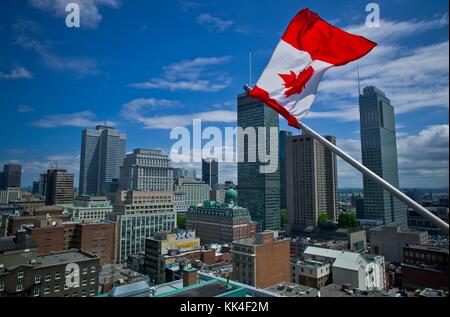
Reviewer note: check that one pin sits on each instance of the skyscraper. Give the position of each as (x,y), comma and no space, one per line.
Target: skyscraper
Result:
(379,154)
(258,192)
(147,170)
(210,172)
(311,175)
(11,176)
(59,187)
(102,154)
(282,161)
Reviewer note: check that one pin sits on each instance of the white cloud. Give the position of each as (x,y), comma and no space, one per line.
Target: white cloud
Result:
(90,15)
(84,119)
(79,66)
(422,158)
(214,24)
(24,109)
(17,73)
(193,75)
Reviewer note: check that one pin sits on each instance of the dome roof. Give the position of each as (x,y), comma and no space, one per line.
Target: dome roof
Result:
(231,194)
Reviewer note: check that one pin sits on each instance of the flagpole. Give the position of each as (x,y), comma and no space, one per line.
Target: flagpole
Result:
(442,225)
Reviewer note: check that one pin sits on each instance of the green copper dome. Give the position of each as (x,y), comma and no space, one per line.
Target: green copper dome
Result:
(230,195)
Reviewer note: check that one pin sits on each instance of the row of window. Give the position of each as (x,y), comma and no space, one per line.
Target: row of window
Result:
(57,275)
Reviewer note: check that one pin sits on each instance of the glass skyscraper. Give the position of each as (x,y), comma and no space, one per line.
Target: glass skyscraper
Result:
(102,154)
(379,154)
(258,192)
(282,161)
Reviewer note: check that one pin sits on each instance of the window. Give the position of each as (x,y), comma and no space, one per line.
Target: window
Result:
(19,287)
(84,282)
(20,274)
(93,280)
(2,286)
(36,292)
(83,293)
(46,290)
(37,279)
(93,269)
(57,275)
(57,288)
(92,292)
(85,270)
(66,286)
(48,277)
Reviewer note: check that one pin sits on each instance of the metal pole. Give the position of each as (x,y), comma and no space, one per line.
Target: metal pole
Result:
(442,225)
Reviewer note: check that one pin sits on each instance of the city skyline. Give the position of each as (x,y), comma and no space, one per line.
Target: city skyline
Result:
(110,86)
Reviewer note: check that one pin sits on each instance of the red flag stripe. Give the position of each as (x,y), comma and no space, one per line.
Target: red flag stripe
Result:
(263,95)
(323,41)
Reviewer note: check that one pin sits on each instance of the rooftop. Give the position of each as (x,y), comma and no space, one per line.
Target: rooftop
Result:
(287,289)
(62,257)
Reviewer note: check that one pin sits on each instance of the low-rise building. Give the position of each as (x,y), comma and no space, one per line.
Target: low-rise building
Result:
(311,273)
(362,271)
(88,208)
(389,241)
(31,275)
(425,267)
(261,261)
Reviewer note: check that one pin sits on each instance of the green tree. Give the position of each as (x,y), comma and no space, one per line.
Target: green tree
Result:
(181,221)
(348,220)
(283,217)
(323,220)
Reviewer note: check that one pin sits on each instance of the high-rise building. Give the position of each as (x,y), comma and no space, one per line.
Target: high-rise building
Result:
(147,170)
(258,192)
(102,154)
(312,177)
(282,161)
(210,172)
(59,187)
(138,214)
(11,176)
(379,154)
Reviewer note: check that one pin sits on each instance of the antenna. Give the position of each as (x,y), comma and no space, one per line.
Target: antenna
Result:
(250,66)
(359,85)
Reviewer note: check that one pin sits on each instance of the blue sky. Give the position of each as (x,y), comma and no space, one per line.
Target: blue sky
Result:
(146,66)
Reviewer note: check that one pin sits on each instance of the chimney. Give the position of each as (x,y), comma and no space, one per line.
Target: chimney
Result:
(20,237)
(189,277)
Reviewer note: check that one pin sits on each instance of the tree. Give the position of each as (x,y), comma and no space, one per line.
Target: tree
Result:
(181,221)
(323,220)
(348,220)
(283,217)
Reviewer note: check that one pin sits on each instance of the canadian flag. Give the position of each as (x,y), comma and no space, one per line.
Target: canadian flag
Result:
(309,47)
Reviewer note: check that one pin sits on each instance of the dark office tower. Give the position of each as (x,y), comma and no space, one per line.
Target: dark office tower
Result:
(282,161)
(258,192)
(11,176)
(102,154)
(311,175)
(59,187)
(379,154)
(210,172)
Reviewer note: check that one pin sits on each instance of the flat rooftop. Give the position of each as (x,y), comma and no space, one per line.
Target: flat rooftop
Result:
(425,247)
(204,290)
(55,258)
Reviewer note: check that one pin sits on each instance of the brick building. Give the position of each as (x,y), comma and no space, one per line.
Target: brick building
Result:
(220,223)
(425,266)
(261,261)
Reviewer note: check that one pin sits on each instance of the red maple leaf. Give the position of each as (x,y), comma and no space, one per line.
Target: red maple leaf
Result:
(295,84)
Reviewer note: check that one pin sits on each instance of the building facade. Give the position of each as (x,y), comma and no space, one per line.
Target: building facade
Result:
(88,208)
(196,192)
(282,161)
(311,273)
(262,261)
(220,223)
(102,154)
(312,177)
(210,172)
(11,176)
(59,187)
(138,215)
(258,192)
(147,170)
(379,154)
